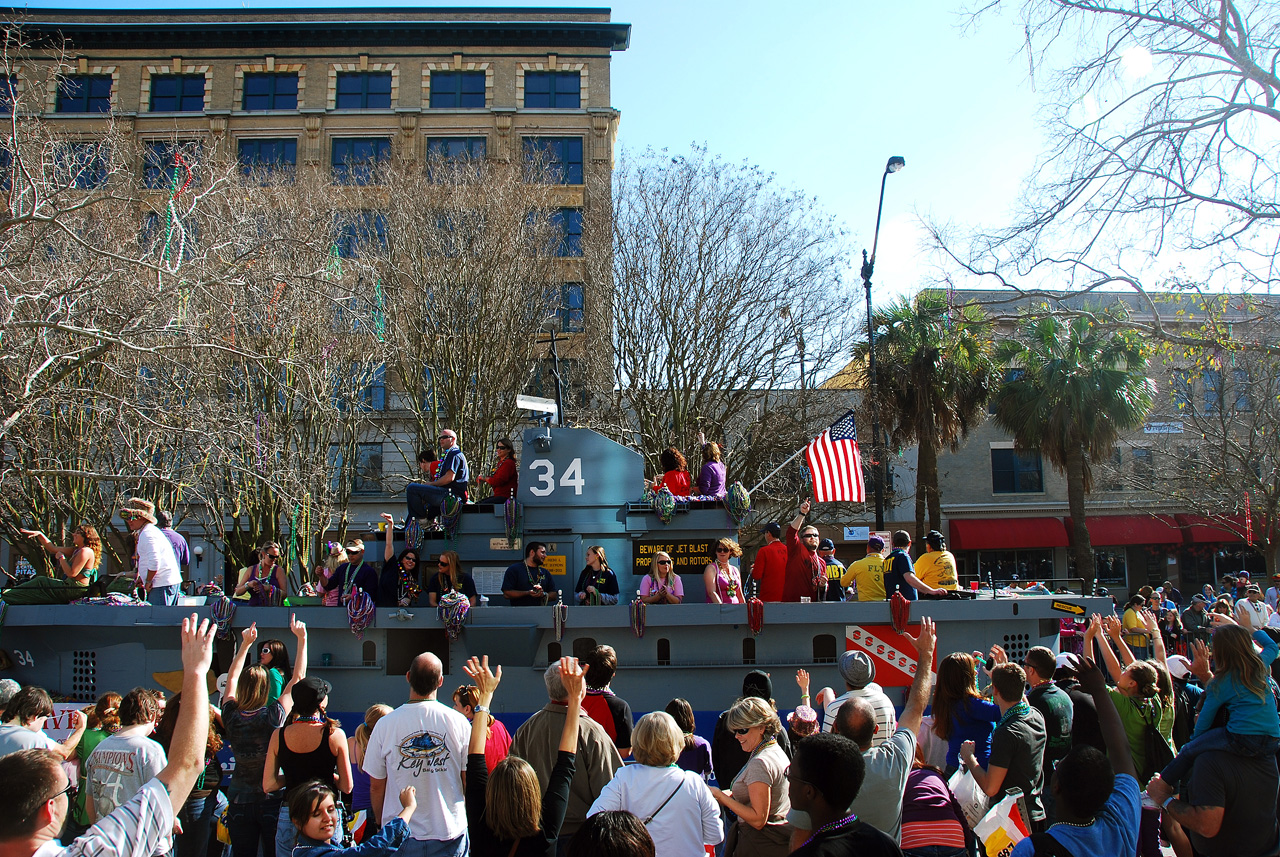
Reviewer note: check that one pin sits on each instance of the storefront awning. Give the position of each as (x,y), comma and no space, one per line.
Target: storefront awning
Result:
(1115,530)
(1007,533)
(1200,529)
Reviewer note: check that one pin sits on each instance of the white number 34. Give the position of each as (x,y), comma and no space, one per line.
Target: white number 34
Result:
(545,472)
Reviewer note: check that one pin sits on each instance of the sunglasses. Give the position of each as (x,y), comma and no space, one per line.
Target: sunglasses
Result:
(741,731)
(273,556)
(722,550)
(787,773)
(266,650)
(664,562)
(500,446)
(70,791)
(809,536)
(445,437)
(443,563)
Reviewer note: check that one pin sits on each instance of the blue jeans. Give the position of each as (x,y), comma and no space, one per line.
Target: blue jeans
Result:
(163,596)
(459,847)
(253,825)
(197,816)
(1249,746)
(424,500)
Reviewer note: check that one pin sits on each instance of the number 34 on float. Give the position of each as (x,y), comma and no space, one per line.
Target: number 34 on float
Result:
(545,473)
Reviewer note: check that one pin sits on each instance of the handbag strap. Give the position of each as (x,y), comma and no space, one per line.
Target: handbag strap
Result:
(654,814)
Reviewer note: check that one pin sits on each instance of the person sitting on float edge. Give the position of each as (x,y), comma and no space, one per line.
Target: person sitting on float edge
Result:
(527,583)
(722,580)
(711,478)
(398,582)
(936,567)
(451,578)
(78,564)
(661,585)
(824,778)
(505,475)
(597,584)
(354,574)
(452,476)
(263,583)
(900,574)
(675,476)
(36,792)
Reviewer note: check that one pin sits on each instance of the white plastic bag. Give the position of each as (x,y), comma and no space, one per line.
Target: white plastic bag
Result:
(973,800)
(1002,828)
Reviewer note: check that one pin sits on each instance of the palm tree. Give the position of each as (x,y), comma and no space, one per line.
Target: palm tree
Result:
(1083,382)
(934,373)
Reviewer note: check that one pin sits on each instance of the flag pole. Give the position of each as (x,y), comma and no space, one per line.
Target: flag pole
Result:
(778,468)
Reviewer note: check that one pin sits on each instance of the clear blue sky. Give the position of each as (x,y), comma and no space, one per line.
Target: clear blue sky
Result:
(822,93)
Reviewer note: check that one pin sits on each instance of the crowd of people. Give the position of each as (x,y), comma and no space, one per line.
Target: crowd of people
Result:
(1109,752)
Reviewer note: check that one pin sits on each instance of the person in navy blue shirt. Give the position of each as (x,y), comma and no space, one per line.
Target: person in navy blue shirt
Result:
(451,478)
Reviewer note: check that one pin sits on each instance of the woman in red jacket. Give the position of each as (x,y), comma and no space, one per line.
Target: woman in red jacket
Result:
(503,479)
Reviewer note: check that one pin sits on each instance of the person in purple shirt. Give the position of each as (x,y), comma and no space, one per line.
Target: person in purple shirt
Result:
(164,520)
(711,478)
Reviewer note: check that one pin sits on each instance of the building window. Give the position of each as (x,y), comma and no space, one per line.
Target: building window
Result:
(567,223)
(266,156)
(1009,375)
(1142,462)
(748,650)
(1240,378)
(161,166)
(457,89)
(84,93)
(1181,383)
(664,652)
(584,647)
(363,90)
(80,165)
(367,478)
(1016,471)
(554,89)
(553,652)
(1212,381)
(571,308)
(374,396)
(177,93)
(270,91)
(555,160)
(358,231)
(455,152)
(356,159)
(824,649)
(8,93)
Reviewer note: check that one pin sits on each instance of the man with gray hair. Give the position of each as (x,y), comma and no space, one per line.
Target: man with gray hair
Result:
(859,673)
(8,687)
(538,741)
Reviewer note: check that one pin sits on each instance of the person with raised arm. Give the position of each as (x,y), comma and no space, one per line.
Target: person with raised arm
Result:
(250,721)
(508,815)
(36,792)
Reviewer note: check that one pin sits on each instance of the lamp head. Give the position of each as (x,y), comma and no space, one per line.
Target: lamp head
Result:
(896,163)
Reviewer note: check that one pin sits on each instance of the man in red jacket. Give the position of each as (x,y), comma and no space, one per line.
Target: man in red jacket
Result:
(804,566)
(770,567)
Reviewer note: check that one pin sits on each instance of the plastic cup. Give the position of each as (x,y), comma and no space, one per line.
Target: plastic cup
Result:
(973,584)
(804,599)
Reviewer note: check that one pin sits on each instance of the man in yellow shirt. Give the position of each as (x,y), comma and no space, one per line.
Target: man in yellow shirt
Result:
(867,574)
(936,567)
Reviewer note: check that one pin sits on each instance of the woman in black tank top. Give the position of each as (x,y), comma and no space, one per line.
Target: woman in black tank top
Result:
(308,747)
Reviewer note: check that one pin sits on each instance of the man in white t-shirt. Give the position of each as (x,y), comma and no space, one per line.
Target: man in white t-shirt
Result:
(23,727)
(158,568)
(37,794)
(423,743)
(859,674)
(1251,611)
(122,763)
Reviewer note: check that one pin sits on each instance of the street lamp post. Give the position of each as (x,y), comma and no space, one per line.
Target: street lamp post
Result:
(868,268)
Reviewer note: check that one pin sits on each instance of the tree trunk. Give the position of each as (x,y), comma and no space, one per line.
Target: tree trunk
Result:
(927,497)
(1081,547)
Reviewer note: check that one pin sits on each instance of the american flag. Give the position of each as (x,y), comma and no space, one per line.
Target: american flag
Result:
(835,463)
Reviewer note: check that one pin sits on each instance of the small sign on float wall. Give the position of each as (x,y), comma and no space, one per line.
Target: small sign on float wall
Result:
(556,565)
(688,557)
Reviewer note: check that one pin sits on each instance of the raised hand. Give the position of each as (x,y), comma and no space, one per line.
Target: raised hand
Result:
(250,635)
(197,643)
(574,679)
(805,507)
(1200,661)
(802,679)
(998,655)
(299,629)
(477,669)
(1149,619)
(927,639)
(389,518)
(1090,677)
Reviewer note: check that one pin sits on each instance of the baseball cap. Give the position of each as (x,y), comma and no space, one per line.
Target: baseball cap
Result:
(1179,666)
(1253,587)
(308,692)
(826,544)
(875,543)
(773,529)
(1242,573)
(758,684)
(857,669)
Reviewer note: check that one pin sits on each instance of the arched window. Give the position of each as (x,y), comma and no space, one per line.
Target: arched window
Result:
(824,649)
(369,653)
(749,650)
(664,651)
(583,646)
(553,653)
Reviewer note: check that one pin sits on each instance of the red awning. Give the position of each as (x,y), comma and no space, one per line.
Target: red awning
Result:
(1111,530)
(1200,529)
(1007,533)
